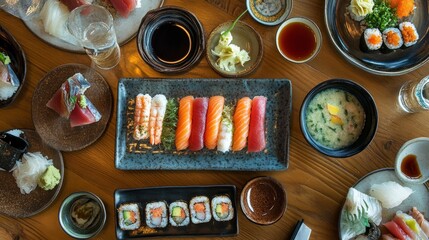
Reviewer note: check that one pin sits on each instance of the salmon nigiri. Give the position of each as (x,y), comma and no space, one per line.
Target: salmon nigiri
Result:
(256,140)
(241,123)
(184,124)
(214,116)
(199,114)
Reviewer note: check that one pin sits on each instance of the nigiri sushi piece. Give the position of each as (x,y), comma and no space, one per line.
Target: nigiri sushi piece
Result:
(72,4)
(256,139)
(420,218)
(184,124)
(214,116)
(199,114)
(241,123)
(225,130)
(390,194)
(124,7)
(141,116)
(157,113)
(84,112)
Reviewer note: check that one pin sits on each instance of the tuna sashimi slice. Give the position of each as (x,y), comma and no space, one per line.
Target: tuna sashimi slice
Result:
(199,114)
(72,4)
(124,7)
(58,104)
(84,112)
(395,230)
(256,138)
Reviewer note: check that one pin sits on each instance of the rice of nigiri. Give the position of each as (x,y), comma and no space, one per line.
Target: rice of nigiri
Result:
(390,194)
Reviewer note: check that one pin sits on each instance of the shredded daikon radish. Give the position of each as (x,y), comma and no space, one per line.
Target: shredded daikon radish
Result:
(29,170)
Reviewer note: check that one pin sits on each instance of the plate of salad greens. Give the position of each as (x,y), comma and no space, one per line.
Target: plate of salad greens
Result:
(346,27)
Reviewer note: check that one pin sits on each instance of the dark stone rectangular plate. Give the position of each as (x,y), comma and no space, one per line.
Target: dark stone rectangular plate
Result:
(170,194)
(138,155)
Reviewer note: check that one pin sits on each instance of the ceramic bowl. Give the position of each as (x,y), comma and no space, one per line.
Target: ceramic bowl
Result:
(298,43)
(67,222)
(187,25)
(371,119)
(246,38)
(418,149)
(269,12)
(263,200)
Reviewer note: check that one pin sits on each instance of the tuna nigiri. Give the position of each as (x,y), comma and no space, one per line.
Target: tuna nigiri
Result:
(225,130)
(124,7)
(199,112)
(184,124)
(256,140)
(214,115)
(157,113)
(141,116)
(241,123)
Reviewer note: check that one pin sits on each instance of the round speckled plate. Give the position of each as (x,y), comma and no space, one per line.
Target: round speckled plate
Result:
(419,198)
(133,155)
(269,12)
(55,130)
(15,204)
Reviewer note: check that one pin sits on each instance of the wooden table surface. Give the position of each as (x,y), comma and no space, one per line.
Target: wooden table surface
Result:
(316,185)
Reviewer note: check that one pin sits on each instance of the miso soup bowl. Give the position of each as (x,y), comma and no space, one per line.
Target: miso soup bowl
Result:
(371,117)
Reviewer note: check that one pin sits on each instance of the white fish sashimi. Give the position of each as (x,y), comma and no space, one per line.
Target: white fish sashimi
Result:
(391,194)
(28,171)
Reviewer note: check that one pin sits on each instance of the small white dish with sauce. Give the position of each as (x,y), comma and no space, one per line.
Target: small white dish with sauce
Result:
(412,161)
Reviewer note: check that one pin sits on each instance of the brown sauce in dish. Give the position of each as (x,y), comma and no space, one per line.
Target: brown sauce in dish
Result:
(410,166)
(297,41)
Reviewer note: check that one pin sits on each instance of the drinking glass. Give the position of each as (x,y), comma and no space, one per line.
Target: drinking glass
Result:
(414,95)
(92,26)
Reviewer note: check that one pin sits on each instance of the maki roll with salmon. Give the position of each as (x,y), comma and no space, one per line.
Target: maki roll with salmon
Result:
(179,214)
(200,209)
(373,39)
(222,208)
(392,38)
(156,215)
(129,216)
(409,33)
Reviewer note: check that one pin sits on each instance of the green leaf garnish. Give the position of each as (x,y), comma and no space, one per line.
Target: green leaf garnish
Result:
(233,24)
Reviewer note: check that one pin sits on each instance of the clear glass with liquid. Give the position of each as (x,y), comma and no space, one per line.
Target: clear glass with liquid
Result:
(92,26)
(414,96)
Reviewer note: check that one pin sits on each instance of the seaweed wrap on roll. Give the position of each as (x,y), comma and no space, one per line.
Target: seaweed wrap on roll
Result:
(129,216)
(392,38)
(200,209)
(179,214)
(373,38)
(222,208)
(409,33)
(156,214)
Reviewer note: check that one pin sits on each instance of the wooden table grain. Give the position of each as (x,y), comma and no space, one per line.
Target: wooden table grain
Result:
(316,185)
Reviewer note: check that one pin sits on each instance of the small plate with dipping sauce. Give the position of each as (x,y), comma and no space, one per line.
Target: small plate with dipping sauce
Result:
(269,12)
(338,118)
(82,215)
(171,39)
(263,200)
(246,38)
(412,161)
(298,39)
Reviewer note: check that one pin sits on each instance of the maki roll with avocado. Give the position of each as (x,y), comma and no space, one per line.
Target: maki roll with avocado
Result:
(200,209)
(179,214)
(156,215)
(129,216)
(222,208)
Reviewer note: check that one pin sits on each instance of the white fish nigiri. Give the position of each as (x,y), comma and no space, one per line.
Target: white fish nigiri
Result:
(390,194)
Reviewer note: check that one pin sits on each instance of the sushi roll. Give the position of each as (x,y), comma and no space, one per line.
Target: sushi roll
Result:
(222,208)
(156,215)
(392,38)
(200,209)
(179,214)
(409,33)
(373,38)
(129,216)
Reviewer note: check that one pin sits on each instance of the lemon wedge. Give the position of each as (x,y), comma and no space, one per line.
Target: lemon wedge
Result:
(336,120)
(332,109)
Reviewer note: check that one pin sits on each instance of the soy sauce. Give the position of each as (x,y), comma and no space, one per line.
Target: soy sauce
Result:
(171,42)
(410,166)
(297,41)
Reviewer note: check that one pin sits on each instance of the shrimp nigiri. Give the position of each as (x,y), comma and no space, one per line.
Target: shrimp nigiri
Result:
(141,116)
(241,123)
(214,115)
(157,113)
(225,130)
(184,124)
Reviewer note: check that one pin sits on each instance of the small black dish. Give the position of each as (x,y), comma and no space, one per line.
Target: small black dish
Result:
(171,39)
(371,120)
(11,47)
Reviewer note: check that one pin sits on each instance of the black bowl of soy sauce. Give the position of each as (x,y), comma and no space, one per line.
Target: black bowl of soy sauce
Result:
(171,39)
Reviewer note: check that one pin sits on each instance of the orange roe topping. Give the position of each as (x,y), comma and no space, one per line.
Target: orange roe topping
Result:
(408,34)
(156,212)
(374,39)
(393,38)
(403,7)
